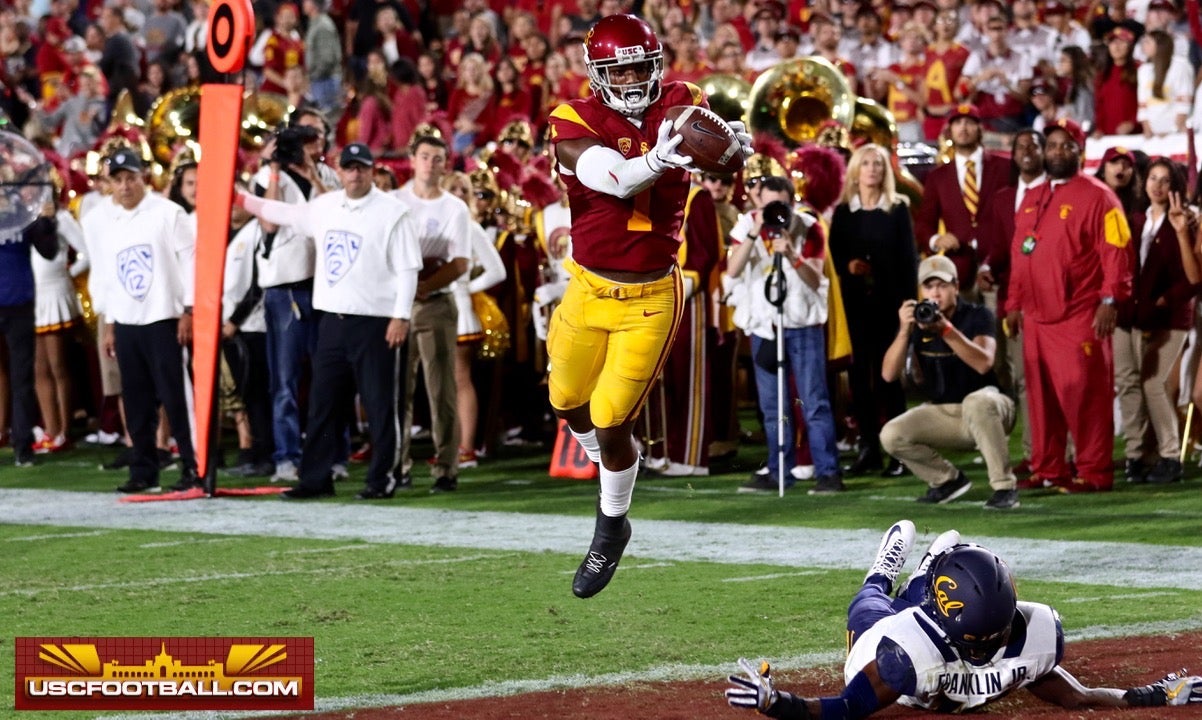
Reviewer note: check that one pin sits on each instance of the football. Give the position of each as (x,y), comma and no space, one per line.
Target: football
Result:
(706,138)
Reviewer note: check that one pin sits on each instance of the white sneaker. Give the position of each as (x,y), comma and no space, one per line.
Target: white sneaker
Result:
(339,472)
(656,464)
(893,552)
(945,541)
(675,469)
(101,437)
(285,472)
(802,472)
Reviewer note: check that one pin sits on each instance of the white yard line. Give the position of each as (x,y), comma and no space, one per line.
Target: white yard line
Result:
(1115,564)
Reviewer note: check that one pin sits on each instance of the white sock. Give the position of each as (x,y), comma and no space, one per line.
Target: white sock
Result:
(616,488)
(588,441)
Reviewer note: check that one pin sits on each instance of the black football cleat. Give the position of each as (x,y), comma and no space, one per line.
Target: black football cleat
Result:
(599,566)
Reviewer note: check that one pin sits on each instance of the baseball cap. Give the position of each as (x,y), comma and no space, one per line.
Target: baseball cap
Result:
(1041,87)
(770,8)
(1118,152)
(1121,33)
(1055,7)
(356,153)
(125,159)
(967,110)
(788,33)
(926,4)
(1162,5)
(937,266)
(1071,127)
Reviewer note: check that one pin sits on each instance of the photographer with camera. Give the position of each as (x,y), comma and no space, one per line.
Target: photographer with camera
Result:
(793,241)
(292,171)
(951,359)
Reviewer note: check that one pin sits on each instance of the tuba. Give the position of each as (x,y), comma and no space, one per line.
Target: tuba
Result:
(795,100)
(262,113)
(172,122)
(728,95)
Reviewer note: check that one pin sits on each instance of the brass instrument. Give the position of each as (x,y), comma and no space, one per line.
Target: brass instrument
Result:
(174,121)
(728,95)
(796,99)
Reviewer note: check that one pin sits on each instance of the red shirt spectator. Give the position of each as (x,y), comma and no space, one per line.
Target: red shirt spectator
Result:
(1116,101)
(279,49)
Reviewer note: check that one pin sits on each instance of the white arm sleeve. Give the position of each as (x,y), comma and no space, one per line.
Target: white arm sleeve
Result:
(487,257)
(69,230)
(294,215)
(605,170)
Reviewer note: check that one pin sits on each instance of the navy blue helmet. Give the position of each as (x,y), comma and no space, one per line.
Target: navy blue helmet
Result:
(971,595)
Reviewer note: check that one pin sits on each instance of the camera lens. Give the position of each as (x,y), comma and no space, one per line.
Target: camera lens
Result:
(926,312)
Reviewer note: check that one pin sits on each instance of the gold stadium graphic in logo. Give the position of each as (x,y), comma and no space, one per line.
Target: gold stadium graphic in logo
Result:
(214,678)
(945,603)
(624,145)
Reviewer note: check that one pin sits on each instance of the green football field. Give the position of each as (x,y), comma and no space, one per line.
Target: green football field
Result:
(430,597)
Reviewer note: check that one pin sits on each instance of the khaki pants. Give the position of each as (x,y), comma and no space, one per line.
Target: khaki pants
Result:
(983,420)
(1142,363)
(433,334)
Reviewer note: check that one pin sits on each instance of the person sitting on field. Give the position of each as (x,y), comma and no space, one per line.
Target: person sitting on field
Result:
(953,639)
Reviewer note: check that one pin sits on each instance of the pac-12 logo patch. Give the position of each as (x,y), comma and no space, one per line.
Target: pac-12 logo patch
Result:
(340,251)
(135,270)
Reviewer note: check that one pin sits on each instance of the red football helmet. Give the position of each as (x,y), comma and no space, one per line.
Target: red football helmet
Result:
(624,42)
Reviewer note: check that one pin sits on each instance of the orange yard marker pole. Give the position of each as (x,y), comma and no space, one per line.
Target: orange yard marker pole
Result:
(231,31)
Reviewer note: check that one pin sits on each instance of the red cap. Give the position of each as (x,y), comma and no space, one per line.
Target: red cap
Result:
(1118,152)
(926,4)
(1054,7)
(1069,126)
(1121,33)
(967,110)
(1162,5)
(771,7)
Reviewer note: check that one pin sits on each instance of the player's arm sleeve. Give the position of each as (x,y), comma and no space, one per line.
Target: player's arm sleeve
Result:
(70,231)
(489,260)
(863,695)
(459,231)
(605,170)
(99,274)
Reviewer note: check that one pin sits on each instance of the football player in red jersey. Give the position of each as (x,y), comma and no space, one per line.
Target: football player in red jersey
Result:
(610,336)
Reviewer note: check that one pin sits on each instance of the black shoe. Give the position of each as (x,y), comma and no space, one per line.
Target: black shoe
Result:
(947,492)
(1002,500)
(121,461)
(139,486)
(895,469)
(1136,471)
(869,460)
(300,492)
(187,481)
(165,459)
(445,484)
(609,542)
(827,485)
(252,469)
(23,459)
(405,483)
(1166,470)
(370,493)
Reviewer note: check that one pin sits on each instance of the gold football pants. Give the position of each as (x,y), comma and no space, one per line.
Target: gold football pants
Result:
(608,341)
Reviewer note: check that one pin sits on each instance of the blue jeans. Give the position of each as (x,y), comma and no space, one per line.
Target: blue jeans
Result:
(289,341)
(326,92)
(805,362)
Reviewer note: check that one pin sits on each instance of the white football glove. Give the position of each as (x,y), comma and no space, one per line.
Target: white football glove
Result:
(1181,688)
(664,156)
(743,136)
(754,692)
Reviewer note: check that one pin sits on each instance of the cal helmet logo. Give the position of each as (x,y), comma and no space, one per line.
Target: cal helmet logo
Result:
(630,52)
(340,250)
(945,603)
(624,145)
(135,269)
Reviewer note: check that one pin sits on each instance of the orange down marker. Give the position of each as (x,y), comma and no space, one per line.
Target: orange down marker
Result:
(231,30)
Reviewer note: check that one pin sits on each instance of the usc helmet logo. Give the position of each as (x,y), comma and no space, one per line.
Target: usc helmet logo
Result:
(945,603)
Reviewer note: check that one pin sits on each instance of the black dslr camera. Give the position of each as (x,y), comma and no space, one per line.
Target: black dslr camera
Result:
(926,312)
(290,144)
(777,217)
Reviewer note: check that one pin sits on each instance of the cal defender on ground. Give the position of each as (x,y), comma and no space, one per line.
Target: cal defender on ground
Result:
(610,336)
(955,638)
